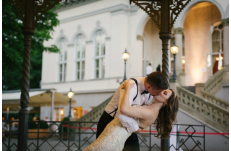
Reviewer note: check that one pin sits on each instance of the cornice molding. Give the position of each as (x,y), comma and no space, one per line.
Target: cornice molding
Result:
(114,10)
(140,37)
(72,4)
(178,30)
(76,81)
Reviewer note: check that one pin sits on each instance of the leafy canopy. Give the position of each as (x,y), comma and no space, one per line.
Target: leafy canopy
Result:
(13,46)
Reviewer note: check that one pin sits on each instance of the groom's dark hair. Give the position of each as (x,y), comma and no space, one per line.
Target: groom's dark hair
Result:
(157,80)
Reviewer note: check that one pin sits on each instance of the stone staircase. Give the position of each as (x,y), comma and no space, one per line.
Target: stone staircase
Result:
(213,115)
(202,103)
(94,114)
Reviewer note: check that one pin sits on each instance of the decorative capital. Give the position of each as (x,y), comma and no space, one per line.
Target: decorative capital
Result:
(225,22)
(139,37)
(79,27)
(97,23)
(178,30)
(165,35)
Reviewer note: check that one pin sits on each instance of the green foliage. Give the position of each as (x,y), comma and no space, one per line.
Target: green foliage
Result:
(13,46)
(43,124)
(64,122)
(34,124)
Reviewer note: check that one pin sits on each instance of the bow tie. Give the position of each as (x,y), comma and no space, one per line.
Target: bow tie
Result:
(144,92)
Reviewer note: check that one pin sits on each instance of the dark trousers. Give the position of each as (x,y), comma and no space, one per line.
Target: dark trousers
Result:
(131,144)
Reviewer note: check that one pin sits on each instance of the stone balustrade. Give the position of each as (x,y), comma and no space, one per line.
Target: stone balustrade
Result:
(210,113)
(215,82)
(212,99)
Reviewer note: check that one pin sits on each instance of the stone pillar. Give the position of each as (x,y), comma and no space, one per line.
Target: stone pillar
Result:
(199,87)
(179,42)
(173,85)
(140,47)
(225,23)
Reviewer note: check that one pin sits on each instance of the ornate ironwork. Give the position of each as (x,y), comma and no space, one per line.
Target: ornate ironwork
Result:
(175,8)
(76,136)
(153,9)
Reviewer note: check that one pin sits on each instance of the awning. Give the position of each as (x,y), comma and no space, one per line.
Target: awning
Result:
(38,97)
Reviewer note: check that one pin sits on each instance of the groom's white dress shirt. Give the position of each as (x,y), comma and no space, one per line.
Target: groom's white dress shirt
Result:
(129,122)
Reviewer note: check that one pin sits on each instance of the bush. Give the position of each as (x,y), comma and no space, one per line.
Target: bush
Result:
(34,125)
(43,124)
(64,122)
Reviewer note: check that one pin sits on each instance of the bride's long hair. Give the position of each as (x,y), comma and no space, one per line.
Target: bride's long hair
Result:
(166,117)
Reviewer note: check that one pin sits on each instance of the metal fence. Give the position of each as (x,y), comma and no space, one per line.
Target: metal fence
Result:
(75,136)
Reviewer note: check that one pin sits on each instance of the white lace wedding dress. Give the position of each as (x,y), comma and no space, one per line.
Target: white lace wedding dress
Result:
(111,139)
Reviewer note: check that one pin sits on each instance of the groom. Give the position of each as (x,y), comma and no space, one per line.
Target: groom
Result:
(141,93)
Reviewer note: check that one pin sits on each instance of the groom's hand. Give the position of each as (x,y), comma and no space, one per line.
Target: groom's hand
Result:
(138,131)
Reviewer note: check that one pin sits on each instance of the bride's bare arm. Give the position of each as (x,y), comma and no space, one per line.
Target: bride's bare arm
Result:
(126,109)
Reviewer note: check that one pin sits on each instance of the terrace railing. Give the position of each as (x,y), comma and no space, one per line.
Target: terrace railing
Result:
(69,136)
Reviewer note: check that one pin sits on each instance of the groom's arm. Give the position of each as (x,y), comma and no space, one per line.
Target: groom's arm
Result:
(126,121)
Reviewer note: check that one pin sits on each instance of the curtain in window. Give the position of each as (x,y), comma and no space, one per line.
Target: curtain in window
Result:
(99,42)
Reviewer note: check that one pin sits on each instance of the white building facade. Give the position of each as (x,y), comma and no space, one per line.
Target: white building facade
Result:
(93,35)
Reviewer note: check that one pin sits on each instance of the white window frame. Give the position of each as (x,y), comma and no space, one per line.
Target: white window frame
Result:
(81,59)
(100,57)
(220,39)
(62,60)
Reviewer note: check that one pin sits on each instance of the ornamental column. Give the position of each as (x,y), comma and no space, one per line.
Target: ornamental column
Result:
(225,23)
(30,12)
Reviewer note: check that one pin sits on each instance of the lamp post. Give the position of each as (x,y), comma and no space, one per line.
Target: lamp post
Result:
(70,95)
(174,50)
(125,56)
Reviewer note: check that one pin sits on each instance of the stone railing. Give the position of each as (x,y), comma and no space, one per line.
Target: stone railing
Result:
(94,114)
(215,82)
(208,113)
(212,99)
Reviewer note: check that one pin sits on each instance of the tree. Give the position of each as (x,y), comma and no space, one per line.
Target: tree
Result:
(13,45)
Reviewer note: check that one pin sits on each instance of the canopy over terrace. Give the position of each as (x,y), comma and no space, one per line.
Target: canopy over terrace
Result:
(38,97)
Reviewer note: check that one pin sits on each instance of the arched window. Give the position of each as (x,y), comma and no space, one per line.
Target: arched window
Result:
(99,42)
(80,44)
(183,53)
(217,47)
(62,45)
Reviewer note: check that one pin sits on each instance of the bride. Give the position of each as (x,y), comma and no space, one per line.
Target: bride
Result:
(163,110)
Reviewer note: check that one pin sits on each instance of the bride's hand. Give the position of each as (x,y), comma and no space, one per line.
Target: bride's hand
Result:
(127,84)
